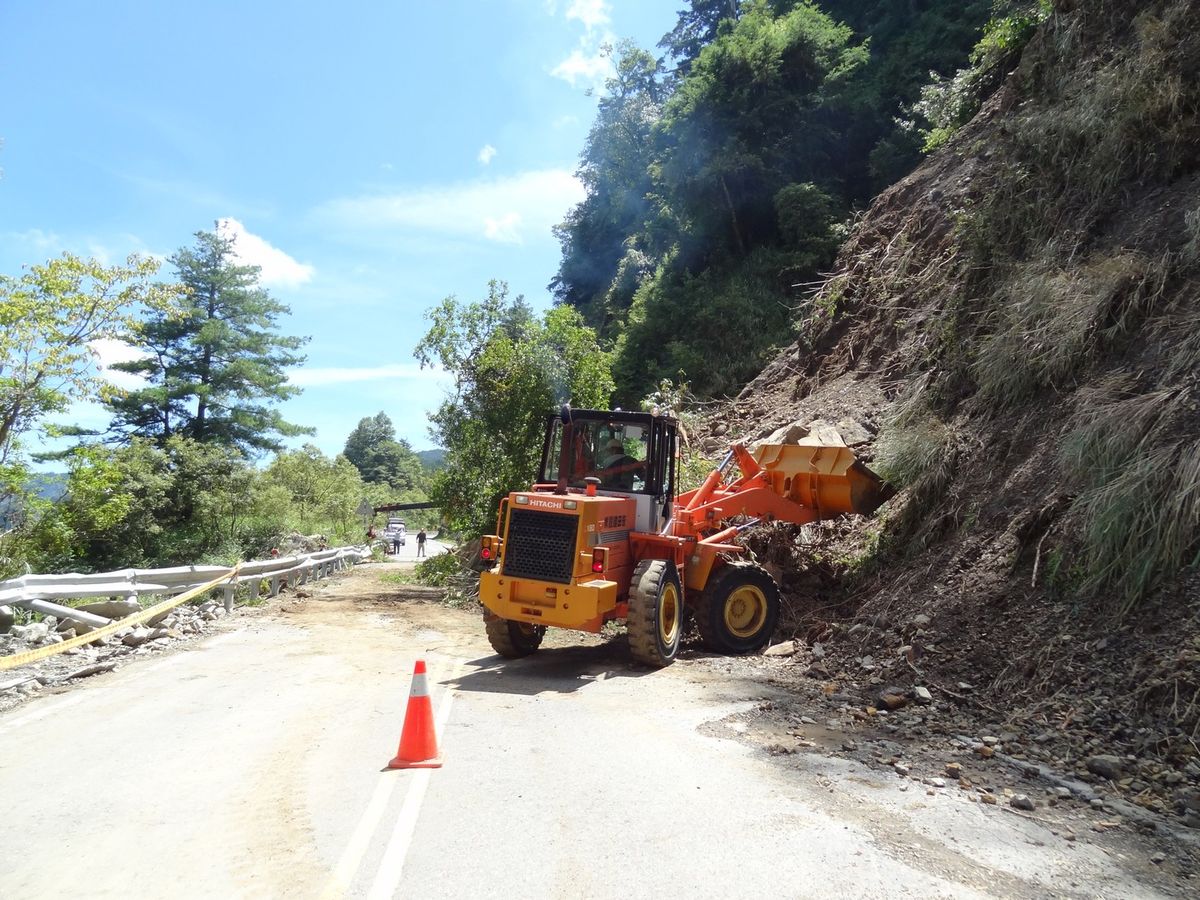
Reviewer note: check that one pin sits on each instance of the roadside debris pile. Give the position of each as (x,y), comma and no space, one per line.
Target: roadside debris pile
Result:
(99,656)
(297,544)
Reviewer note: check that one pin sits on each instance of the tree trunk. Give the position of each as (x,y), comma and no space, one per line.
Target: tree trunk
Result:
(737,231)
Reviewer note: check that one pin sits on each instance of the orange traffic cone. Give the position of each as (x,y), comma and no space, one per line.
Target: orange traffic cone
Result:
(418,740)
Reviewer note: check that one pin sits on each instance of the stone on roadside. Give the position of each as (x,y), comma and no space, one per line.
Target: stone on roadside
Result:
(1022,801)
(1106,766)
(787,648)
(7,619)
(892,698)
(136,637)
(954,770)
(921,695)
(111,609)
(32,633)
(818,651)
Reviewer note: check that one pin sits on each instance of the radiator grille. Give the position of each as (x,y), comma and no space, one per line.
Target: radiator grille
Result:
(540,545)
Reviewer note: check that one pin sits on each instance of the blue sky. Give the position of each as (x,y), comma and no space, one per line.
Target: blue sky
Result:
(373,157)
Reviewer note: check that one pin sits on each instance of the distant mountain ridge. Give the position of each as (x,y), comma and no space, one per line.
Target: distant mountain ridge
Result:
(432,459)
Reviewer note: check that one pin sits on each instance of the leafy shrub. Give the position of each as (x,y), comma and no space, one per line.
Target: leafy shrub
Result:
(438,571)
(947,104)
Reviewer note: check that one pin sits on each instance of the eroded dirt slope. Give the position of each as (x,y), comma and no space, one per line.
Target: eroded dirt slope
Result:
(1013,330)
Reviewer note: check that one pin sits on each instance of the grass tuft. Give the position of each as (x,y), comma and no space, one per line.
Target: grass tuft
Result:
(1138,509)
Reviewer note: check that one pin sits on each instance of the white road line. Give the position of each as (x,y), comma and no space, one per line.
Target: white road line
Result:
(343,875)
(392,864)
(387,879)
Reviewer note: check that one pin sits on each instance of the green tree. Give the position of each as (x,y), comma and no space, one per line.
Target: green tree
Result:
(697,27)
(324,491)
(380,458)
(216,362)
(144,505)
(50,318)
(760,109)
(511,369)
(601,261)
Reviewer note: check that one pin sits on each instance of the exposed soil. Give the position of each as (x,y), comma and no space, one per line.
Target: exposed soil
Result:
(967,582)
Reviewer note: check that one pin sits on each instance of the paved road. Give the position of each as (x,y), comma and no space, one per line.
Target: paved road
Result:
(408,552)
(250,766)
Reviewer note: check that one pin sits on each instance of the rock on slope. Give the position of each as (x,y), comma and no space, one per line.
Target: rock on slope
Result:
(1018,324)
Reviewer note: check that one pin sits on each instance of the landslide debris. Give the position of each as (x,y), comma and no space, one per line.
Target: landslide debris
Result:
(1015,330)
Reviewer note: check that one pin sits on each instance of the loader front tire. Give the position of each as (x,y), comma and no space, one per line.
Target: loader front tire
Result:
(655,612)
(738,609)
(513,639)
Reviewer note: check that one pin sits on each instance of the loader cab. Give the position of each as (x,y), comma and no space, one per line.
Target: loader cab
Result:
(631,453)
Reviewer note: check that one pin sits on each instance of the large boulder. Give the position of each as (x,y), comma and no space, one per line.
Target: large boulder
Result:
(112,609)
(7,619)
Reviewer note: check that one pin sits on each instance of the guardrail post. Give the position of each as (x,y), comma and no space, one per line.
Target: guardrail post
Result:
(228,591)
(254,585)
(274,585)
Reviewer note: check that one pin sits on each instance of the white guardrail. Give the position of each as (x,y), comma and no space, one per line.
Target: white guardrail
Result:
(37,592)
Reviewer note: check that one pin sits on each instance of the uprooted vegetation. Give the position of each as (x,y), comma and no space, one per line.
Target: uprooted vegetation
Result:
(1018,321)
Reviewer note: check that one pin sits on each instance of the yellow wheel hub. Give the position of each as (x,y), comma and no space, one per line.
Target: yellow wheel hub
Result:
(668,614)
(746,611)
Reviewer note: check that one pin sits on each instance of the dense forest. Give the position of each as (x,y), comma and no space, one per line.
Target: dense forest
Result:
(721,176)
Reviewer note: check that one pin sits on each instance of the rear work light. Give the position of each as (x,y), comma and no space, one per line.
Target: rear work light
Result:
(599,559)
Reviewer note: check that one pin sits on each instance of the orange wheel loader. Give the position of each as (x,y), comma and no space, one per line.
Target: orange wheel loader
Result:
(601,535)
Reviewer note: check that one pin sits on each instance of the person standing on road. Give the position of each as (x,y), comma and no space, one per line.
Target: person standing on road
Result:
(395,543)
(421,542)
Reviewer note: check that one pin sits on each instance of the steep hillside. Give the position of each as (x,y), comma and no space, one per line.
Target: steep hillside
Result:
(1017,325)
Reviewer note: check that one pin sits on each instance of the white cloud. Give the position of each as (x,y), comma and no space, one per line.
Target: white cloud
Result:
(277,267)
(107,351)
(501,209)
(591,68)
(43,243)
(592,13)
(590,62)
(504,230)
(321,377)
(487,154)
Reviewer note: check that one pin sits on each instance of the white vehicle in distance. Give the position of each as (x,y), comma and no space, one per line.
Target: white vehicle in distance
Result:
(395,530)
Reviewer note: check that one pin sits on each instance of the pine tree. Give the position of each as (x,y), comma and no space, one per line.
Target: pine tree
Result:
(216,362)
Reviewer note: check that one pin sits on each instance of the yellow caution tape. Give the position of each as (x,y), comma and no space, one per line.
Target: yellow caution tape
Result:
(23,659)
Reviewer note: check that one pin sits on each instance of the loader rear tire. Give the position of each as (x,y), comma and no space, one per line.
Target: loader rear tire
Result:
(655,612)
(738,609)
(513,639)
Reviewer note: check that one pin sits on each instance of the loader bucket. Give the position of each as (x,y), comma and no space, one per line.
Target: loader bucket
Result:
(829,479)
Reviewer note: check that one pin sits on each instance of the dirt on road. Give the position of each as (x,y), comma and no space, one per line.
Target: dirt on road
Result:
(797,714)
(267,736)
